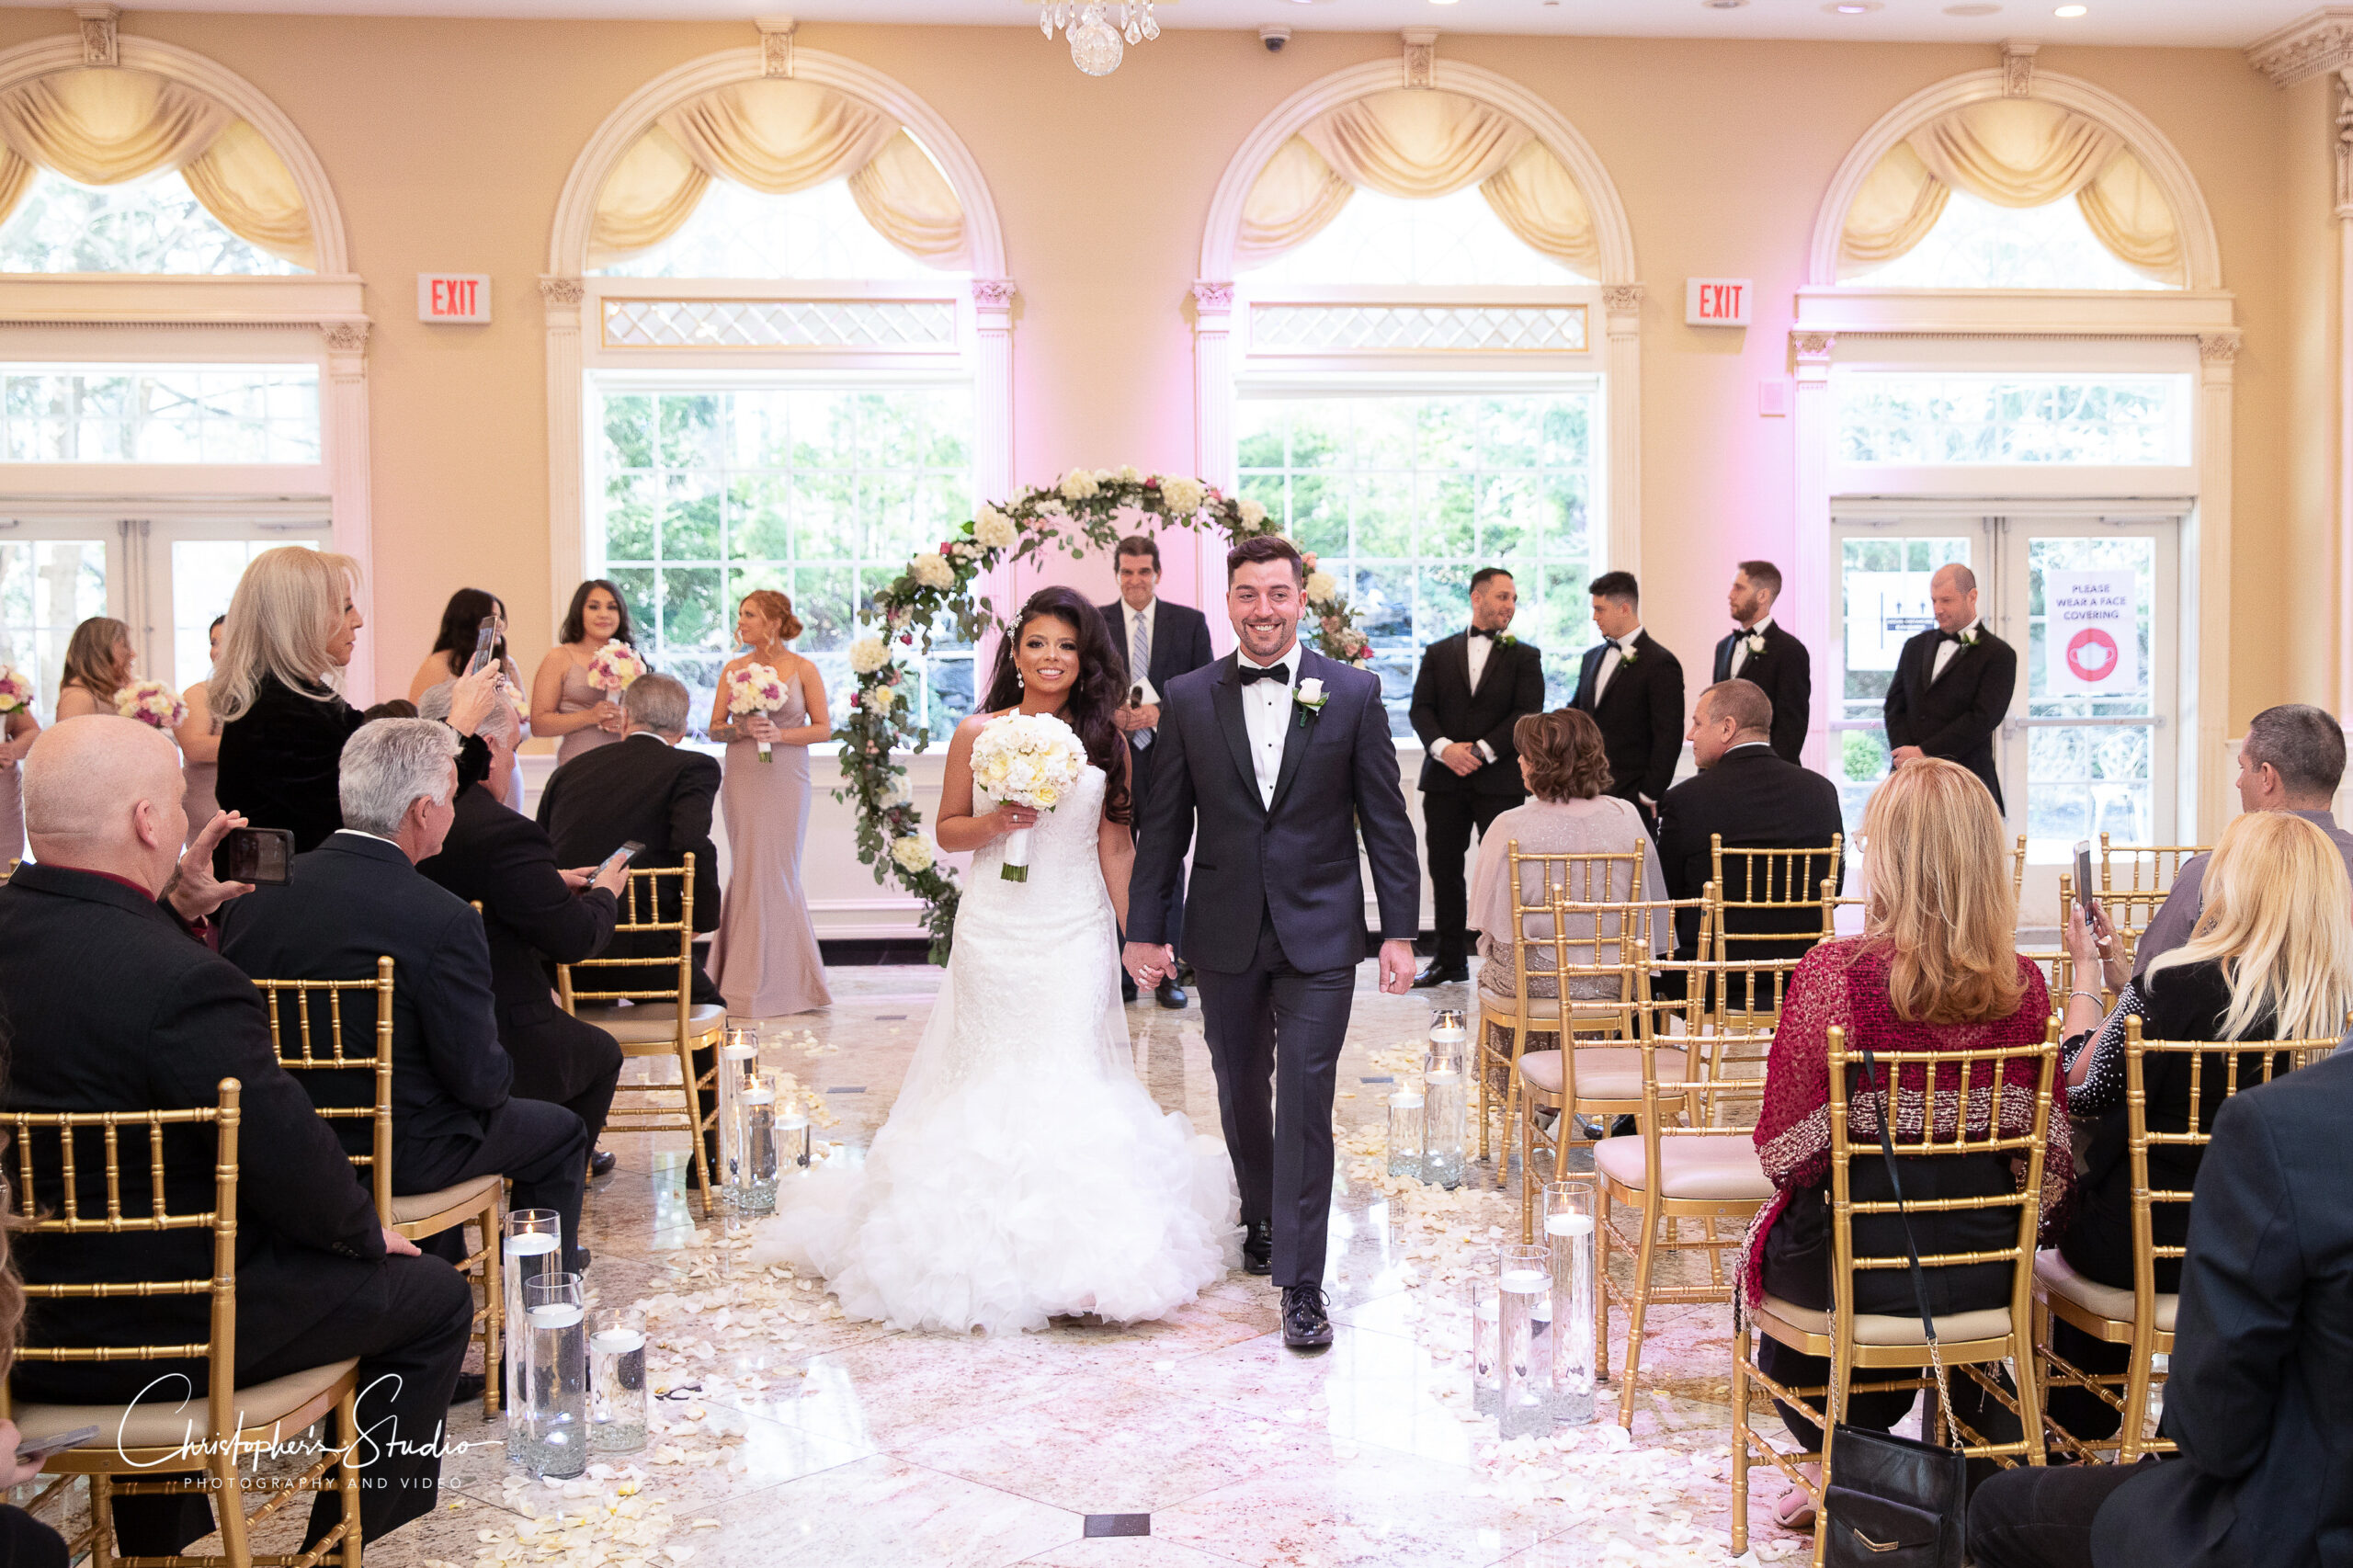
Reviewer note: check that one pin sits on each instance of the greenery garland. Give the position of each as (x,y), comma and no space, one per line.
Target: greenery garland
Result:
(1080,511)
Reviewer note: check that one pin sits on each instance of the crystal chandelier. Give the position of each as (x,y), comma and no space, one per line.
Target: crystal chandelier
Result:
(1094,41)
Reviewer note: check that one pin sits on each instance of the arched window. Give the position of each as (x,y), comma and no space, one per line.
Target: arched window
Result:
(153,225)
(780,364)
(1422,378)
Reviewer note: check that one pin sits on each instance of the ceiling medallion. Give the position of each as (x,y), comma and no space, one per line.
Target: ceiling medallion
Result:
(1094,41)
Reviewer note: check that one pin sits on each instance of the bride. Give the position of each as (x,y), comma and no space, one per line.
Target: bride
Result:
(1024,1173)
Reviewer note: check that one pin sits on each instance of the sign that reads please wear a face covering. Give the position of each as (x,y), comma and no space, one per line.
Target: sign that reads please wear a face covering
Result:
(2091,637)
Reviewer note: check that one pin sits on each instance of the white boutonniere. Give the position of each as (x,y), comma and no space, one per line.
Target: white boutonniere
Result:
(1626,657)
(1506,639)
(1755,643)
(1969,639)
(1310,697)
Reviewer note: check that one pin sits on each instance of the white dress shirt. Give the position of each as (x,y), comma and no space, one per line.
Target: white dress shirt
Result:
(1946,650)
(1740,645)
(1478,648)
(1610,660)
(1265,711)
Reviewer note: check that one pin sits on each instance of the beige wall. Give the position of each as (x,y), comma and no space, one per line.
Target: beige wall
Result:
(449,141)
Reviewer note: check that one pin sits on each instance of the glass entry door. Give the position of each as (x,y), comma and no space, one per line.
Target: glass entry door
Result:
(54,574)
(1884,567)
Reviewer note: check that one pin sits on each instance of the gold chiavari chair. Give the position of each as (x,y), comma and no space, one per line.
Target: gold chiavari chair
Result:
(677,1027)
(1769,902)
(2142,1317)
(1706,1168)
(1536,880)
(2147,867)
(57,1183)
(8,870)
(2053,960)
(1972,1344)
(2128,912)
(2018,874)
(323,1061)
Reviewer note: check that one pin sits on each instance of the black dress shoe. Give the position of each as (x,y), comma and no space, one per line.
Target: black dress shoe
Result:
(1441,975)
(1258,1248)
(1307,1326)
(1171,995)
(601,1162)
(468,1390)
(1127,990)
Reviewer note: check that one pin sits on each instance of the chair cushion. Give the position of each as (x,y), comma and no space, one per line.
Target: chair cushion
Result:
(651,1023)
(2058,1277)
(1722,1170)
(470,1194)
(1604,1072)
(1989,1323)
(165,1423)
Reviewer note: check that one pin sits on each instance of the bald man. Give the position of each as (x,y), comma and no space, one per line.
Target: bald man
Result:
(1953,686)
(116,1002)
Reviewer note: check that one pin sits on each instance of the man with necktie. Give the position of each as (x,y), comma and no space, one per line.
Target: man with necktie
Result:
(1471,688)
(1767,656)
(1953,685)
(1160,641)
(1633,688)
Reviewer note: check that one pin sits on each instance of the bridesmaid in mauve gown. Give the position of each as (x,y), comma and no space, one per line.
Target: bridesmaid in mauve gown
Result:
(200,738)
(563,702)
(766,955)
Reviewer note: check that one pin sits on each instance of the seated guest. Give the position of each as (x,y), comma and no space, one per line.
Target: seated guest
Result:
(1747,793)
(1936,969)
(1560,756)
(391,707)
(358,897)
(25,1541)
(2272,960)
(2293,761)
(2255,1396)
(533,912)
(117,1003)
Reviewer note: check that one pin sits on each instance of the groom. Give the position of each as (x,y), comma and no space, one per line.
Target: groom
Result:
(1282,756)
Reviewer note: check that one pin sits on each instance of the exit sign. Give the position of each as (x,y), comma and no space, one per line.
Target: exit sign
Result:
(453,296)
(1716,302)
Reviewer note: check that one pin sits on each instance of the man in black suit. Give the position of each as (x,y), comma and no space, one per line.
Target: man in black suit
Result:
(1767,656)
(1953,686)
(1633,688)
(1471,688)
(357,897)
(533,912)
(1746,792)
(1159,641)
(2261,1362)
(115,1003)
(646,788)
(1282,758)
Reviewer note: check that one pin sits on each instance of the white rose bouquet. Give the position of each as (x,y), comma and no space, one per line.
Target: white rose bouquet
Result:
(754,689)
(151,702)
(16,691)
(614,667)
(868,655)
(1029,759)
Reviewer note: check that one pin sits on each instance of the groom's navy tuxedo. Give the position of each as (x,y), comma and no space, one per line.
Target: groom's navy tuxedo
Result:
(1274,924)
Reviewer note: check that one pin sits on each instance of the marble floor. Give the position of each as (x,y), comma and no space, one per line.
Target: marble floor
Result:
(792,1435)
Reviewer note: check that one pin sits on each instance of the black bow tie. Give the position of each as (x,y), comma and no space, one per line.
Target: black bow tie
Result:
(1947,636)
(1488,631)
(1252,673)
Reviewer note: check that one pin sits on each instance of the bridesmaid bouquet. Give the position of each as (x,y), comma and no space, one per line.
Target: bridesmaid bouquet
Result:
(754,689)
(151,702)
(16,691)
(1029,759)
(613,666)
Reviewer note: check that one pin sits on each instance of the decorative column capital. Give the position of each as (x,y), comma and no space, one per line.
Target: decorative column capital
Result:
(775,45)
(2218,347)
(1212,299)
(2018,67)
(1814,348)
(345,337)
(100,46)
(993,293)
(562,293)
(1421,55)
(1622,298)
(2321,41)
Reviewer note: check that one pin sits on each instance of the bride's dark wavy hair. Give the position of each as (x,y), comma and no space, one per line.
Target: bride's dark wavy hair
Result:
(1092,697)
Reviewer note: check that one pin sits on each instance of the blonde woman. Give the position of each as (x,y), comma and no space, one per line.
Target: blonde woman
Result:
(1935,969)
(291,625)
(98,662)
(2270,958)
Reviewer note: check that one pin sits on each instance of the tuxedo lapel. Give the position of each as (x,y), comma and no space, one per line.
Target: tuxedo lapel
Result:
(1226,697)
(1471,687)
(1588,673)
(1296,734)
(1724,659)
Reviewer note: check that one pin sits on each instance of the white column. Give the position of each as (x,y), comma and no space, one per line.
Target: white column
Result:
(1212,414)
(2344,618)
(1623,307)
(567,524)
(2206,714)
(993,387)
(349,487)
(1815,577)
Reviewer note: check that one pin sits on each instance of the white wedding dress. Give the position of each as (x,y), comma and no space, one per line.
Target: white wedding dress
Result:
(1024,1173)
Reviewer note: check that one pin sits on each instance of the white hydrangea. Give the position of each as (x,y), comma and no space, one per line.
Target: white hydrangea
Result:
(900,793)
(1253,514)
(1128,475)
(931,569)
(1103,476)
(913,853)
(1183,497)
(1322,587)
(868,655)
(994,529)
(1078,485)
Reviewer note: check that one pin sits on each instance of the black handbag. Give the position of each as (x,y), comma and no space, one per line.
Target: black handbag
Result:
(1892,1502)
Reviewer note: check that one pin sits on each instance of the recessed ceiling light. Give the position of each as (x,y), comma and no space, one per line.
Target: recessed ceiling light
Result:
(1852,7)
(1977,8)
(2071,11)
(1723,4)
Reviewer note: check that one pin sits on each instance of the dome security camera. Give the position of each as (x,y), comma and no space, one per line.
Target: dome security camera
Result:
(1274,38)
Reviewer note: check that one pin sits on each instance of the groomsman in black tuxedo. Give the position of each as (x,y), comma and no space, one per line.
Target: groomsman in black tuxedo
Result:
(1768,657)
(1633,688)
(1471,688)
(1159,641)
(1953,686)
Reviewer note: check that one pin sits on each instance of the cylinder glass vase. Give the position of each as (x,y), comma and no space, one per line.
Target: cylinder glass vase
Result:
(1486,1347)
(739,1056)
(1442,1087)
(556,1364)
(618,1399)
(753,1188)
(1569,1235)
(1524,1286)
(1407,1128)
(531,1242)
